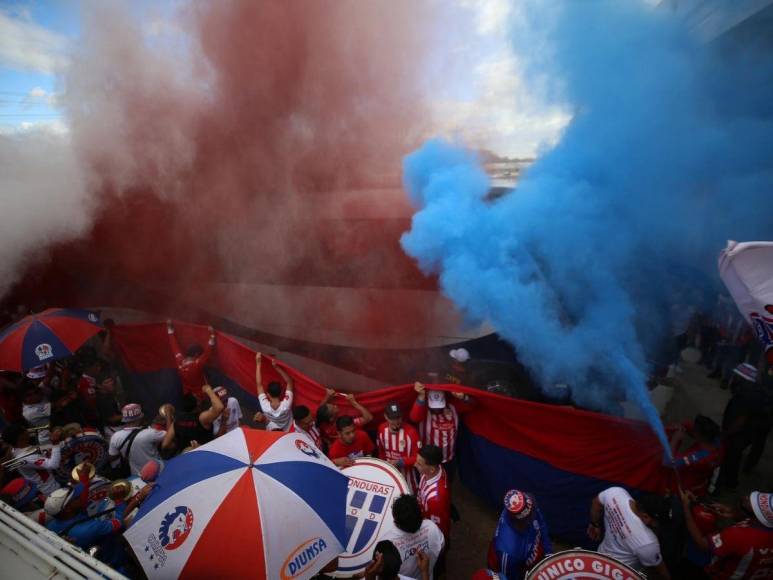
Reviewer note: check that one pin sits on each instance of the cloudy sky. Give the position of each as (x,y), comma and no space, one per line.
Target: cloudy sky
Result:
(489,105)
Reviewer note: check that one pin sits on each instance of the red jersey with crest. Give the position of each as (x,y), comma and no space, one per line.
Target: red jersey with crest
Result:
(438,429)
(403,445)
(434,496)
(191,370)
(744,550)
(312,433)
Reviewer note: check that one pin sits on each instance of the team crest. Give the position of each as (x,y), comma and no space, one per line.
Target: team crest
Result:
(175,528)
(306,449)
(44,351)
(367,502)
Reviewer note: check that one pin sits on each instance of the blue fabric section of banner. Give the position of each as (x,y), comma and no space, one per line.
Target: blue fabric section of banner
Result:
(322,488)
(564,498)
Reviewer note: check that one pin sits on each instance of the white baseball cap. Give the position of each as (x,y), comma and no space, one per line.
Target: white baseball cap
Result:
(37,372)
(460,355)
(57,501)
(762,506)
(436,399)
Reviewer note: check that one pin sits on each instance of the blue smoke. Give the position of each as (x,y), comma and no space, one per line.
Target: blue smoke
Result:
(668,155)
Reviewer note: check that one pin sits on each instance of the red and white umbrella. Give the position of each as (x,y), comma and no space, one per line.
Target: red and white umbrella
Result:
(250,504)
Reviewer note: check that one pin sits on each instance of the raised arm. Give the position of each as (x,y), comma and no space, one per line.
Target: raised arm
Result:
(258,374)
(367,416)
(289,381)
(206,418)
(329,394)
(176,352)
(168,441)
(207,354)
(419,409)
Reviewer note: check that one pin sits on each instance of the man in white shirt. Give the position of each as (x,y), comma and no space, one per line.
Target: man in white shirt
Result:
(150,441)
(121,441)
(31,463)
(231,416)
(628,529)
(413,535)
(276,407)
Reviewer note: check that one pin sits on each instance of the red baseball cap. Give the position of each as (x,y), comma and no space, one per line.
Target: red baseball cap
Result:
(519,504)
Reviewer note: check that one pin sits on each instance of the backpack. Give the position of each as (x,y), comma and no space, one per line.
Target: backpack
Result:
(122,470)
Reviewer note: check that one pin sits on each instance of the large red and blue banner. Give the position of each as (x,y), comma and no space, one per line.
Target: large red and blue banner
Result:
(562,455)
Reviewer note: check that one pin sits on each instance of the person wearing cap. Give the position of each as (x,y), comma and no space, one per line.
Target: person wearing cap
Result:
(277,407)
(23,495)
(434,493)
(627,527)
(231,417)
(438,421)
(123,439)
(521,539)
(190,366)
(34,465)
(68,508)
(398,443)
(352,443)
(744,549)
(303,423)
(328,413)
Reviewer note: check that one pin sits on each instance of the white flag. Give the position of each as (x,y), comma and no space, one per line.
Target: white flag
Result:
(747,270)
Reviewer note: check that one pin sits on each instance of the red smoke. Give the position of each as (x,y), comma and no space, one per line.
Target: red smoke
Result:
(242,165)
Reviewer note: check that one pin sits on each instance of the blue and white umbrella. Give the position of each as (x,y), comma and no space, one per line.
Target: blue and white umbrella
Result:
(250,504)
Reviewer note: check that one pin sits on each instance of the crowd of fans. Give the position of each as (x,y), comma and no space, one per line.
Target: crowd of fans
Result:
(90,396)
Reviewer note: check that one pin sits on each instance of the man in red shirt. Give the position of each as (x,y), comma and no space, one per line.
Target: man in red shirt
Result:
(327,415)
(351,444)
(398,444)
(434,494)
(440,425)
(698,463)
(190,367)
(743,550)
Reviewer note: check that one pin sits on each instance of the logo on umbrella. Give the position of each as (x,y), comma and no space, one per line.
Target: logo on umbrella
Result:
(302,558)
(44,351)
(306,449)
(176,527)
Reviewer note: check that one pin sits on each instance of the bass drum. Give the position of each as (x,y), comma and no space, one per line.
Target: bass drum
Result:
(90,447)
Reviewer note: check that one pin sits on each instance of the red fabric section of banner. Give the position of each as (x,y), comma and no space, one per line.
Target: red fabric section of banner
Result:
(590,444)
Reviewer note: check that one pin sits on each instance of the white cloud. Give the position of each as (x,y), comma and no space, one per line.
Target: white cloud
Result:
(40,96)
(25,45)
(500,110)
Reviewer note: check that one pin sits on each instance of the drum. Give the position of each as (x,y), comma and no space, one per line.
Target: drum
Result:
(373,487)
(89,447)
